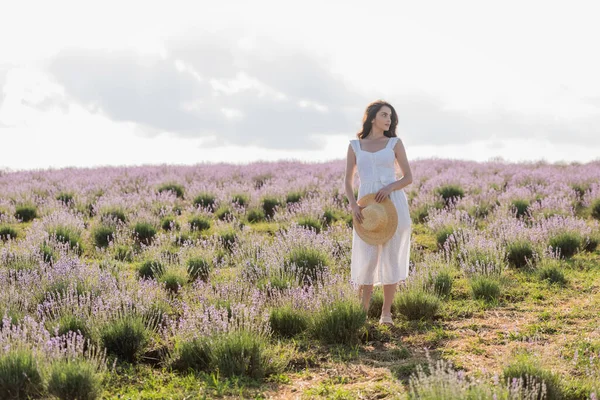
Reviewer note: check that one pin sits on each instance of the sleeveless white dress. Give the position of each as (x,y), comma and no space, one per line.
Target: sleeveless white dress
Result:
(386,263)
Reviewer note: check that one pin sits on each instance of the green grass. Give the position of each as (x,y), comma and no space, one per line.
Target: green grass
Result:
(143,381)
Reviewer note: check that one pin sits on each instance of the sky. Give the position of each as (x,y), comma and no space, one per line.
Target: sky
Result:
(181,82)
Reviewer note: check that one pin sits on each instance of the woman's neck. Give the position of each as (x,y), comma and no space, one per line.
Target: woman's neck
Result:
(374,136)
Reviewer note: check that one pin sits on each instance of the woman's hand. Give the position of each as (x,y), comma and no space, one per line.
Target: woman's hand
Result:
(356,211)
(383,193)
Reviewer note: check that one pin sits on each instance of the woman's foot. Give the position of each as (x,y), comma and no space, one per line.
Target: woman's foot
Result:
(386,319)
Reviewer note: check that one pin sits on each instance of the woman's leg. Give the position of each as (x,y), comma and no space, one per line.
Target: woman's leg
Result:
(364,292)
(388,297)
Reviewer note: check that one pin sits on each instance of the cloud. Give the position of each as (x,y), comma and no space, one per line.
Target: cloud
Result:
(425,121)
(265,93)
(199,89)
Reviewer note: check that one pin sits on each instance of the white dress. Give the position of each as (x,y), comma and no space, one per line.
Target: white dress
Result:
(384,263)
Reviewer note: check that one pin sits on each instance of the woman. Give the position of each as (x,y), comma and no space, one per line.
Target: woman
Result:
(374,154)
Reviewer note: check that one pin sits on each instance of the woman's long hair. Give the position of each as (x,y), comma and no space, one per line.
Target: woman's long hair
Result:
(370,113)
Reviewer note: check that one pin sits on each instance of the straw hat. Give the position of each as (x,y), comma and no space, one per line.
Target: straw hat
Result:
(379,220)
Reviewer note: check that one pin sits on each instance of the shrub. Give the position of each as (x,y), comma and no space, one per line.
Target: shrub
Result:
(224,213)
(204,200)
(169,223)
(7,232)
(19,262)
(103,235)
(580,188)
(277,281)
(531,374)
(65,197)
(14,315)
(174,188)
(260,180)
(26,213)
(242,353)
(171,255)
(241,199)
(194,354)
(255,215)
(198,268)
(150,269)
(485,287)
(219,255)
(282,280)
(125,336)
(74,379)
(440,380)
(595,209)
(294,197)
(174,278)
(199,223)
(269,205)
(482,209)
(591,243)
(330,216)
(116,214)
(420,213)
(58,287)
(450,192)
(310,223)
(552,272)
(376,304)
(520,206)
(519,252)
(568,243)
(417,304)
(89,208)
(123,253)
(181,238)
(307,263)
(287,322)
(20,376)
(177,209)
(442,235)
(144,232)
(339,322)
(481,259)
(72,323)
(155,314)
(442,283)
(227,238)
(47,253)
(67,235)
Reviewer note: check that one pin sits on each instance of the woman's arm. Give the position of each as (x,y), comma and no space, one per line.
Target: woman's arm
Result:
(406,179)
(349,178)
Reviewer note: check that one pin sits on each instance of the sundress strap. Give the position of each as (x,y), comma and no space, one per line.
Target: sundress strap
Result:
(354,143)
(392,139)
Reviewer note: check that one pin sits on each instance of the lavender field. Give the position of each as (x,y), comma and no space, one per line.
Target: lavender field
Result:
(224,281)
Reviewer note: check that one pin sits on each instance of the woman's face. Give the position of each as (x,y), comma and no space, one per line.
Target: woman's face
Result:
(383,119)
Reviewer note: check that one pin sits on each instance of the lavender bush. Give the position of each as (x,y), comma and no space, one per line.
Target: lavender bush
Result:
(224,256)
